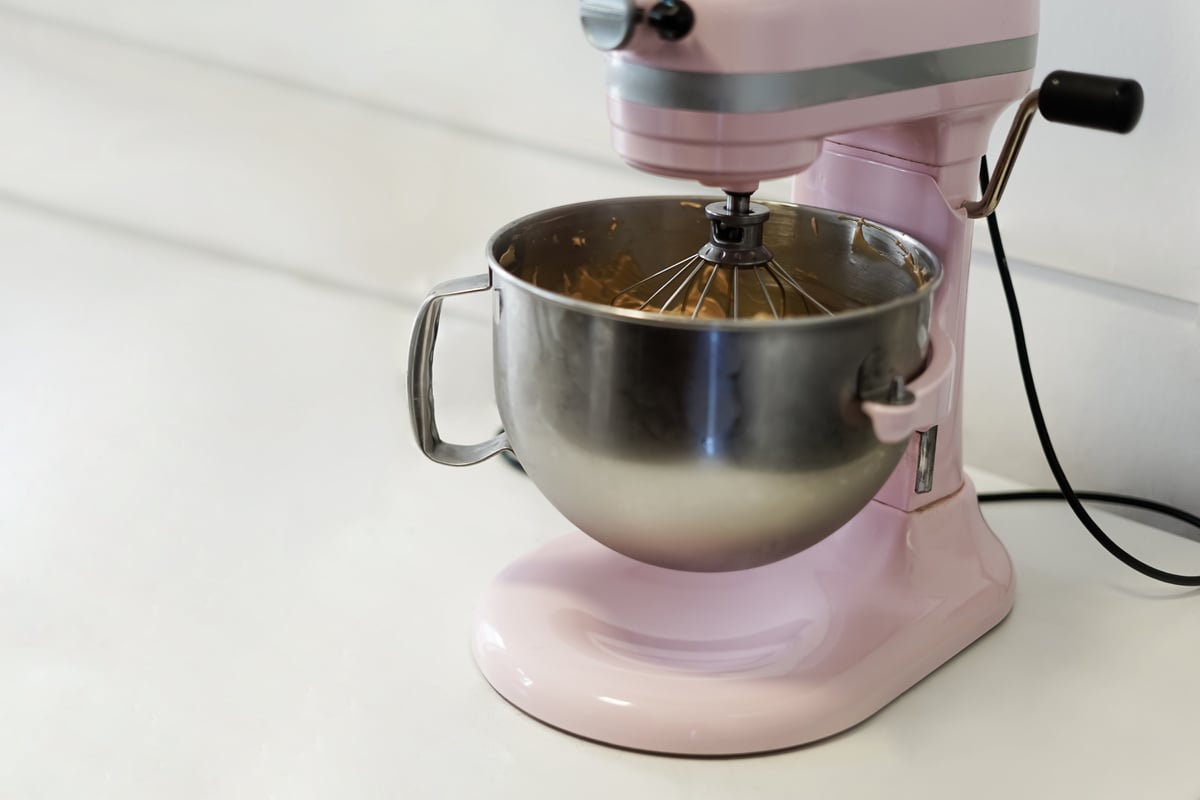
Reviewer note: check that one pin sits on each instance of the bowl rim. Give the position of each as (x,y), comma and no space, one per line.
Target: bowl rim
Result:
(928,257)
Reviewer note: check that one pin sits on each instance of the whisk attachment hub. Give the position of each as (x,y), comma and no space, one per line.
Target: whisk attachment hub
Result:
(736,236)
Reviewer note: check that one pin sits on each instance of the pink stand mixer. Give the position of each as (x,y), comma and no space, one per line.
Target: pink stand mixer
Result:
(678,623)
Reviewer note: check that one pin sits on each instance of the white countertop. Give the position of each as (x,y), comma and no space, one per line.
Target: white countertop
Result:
(228,572)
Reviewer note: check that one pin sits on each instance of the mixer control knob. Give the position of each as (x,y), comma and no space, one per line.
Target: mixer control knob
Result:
(609,24)
(673,19)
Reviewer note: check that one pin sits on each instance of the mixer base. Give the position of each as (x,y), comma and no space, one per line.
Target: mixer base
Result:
(646,658)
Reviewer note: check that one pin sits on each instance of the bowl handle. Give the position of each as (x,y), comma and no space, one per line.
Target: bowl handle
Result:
(922,403)
(420,380)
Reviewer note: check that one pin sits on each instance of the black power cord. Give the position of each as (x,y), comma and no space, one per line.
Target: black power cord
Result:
(1074,499)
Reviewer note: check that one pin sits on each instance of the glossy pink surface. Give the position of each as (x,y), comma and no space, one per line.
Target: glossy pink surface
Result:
(884,174)
(727,149)
(932,395)
(618,651)
(778,35)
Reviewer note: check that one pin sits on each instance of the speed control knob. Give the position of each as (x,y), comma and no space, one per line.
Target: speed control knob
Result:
(609,24)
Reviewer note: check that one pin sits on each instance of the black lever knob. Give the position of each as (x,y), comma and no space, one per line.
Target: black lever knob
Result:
(1091,101)
(673,19)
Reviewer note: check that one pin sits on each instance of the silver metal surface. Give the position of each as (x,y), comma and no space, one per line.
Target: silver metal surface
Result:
(898,393)
(702,445)
(736,275)
(749,93)
(734,248)
(686,287)
(420,380)
(736,232)
(926,454)
(608,24)
(1006,160)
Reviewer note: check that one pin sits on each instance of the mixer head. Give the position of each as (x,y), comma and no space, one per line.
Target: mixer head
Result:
(731,93)
(733,276)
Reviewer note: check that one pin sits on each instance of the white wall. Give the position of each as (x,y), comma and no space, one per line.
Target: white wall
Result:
(374,145)
(1081,201)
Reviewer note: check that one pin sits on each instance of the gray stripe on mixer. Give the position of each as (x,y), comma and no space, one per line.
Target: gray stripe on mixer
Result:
(750,93)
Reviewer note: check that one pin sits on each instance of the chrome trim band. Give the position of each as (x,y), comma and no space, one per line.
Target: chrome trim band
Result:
(750,93)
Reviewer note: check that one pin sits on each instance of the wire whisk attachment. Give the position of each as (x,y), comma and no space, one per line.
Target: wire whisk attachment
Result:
(732,276)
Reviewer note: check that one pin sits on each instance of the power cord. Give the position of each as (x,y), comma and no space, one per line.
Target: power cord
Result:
(1074,499)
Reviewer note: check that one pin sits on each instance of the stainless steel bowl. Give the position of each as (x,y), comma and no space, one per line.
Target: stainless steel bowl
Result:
(701,445)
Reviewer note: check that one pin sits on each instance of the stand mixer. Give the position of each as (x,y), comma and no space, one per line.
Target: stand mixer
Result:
(704,641)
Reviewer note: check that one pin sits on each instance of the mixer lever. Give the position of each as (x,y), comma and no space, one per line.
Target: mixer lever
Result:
(1073,98)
